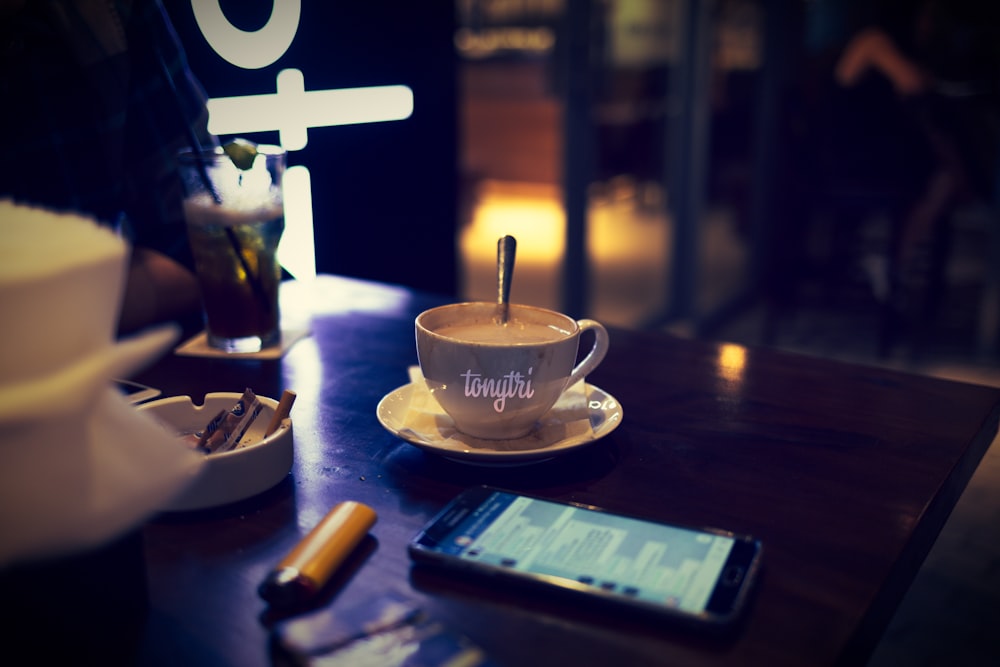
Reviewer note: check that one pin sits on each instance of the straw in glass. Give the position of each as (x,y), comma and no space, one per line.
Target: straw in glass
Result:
(197,150)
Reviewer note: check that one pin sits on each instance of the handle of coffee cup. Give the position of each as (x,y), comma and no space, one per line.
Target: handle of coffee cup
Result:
(596,354)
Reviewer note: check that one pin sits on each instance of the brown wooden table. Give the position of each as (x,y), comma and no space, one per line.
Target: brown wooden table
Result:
(846,473)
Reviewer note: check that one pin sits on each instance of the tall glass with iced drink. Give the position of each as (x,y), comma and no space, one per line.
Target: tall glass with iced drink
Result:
(235,216)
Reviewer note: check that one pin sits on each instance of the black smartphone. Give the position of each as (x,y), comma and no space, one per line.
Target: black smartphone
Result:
(699,576)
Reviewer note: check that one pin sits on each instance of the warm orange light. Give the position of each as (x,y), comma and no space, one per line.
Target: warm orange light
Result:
(532,214)
(626,249)
(732,361)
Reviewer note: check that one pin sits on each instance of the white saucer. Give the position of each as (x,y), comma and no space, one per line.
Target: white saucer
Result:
(546,442)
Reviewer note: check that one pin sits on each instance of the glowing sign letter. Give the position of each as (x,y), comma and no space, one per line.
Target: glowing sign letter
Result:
(249,50)
(293,109)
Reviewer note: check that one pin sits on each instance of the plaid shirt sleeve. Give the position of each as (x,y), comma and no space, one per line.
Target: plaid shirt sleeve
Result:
(98,100)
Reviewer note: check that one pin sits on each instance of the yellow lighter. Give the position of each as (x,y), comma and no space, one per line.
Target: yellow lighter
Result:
(309,565)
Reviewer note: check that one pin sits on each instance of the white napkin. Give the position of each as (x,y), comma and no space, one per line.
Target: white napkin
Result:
(78,480)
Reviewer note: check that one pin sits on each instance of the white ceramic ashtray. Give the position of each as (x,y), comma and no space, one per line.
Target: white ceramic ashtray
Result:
(253,466)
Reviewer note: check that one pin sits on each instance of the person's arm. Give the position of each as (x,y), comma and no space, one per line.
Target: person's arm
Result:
(157,289)
(167,112)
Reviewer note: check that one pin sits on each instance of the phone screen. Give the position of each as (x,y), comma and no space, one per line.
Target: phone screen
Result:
(693,572)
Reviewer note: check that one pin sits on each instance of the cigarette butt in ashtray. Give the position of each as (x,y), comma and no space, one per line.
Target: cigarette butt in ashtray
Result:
(311,563)
(281,412)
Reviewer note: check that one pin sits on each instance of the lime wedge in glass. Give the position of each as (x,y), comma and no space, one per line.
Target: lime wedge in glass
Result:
(241,152)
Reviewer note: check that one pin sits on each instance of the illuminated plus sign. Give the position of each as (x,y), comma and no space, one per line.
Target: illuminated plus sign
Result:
(292,109)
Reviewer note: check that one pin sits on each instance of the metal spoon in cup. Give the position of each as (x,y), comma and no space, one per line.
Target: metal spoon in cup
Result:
(506,249)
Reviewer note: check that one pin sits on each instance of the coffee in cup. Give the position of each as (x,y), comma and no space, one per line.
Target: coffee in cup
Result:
(497,380)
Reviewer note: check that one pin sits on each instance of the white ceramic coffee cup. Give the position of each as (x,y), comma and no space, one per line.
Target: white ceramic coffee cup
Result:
(496,381)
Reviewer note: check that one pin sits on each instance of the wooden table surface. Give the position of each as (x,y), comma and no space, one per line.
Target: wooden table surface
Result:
(846,473)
